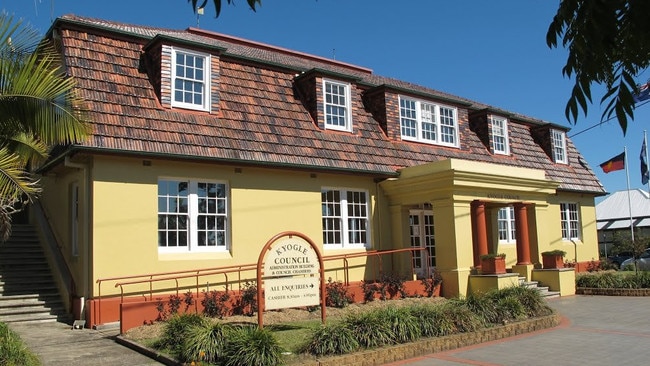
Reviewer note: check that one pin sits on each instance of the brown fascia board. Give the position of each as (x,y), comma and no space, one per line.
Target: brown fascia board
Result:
(327,73)
(384,87)
(162,38)
(72,150)
(533,121)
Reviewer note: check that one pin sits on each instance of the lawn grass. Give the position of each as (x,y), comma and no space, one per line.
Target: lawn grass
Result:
(293,335)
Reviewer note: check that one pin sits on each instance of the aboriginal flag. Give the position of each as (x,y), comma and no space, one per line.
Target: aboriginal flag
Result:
(615,163)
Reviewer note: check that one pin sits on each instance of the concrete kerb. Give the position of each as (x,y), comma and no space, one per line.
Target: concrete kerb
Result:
(380,356)
(149,352)
(426,346)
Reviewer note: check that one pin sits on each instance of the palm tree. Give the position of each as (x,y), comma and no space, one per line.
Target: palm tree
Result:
(39,109)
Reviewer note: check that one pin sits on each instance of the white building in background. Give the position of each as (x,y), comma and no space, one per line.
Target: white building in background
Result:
(613,215)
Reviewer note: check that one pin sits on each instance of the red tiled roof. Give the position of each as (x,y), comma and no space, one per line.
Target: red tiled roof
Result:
(260,121)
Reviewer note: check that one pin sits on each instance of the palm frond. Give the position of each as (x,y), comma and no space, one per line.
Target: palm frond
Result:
(40,100)
(15,181)
(30,150)
(16,40)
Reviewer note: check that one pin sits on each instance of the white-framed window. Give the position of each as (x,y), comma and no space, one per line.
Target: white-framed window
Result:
(559,146)
(336,96)
(506,224)
(190,79)
(428,122)
(192,215)
(345,218)
(570,218)
(500,143)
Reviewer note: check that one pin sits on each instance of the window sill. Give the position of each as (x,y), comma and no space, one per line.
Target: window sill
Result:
(188,256)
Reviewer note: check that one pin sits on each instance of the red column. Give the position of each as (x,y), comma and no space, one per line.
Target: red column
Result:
(521,229)
(480,231)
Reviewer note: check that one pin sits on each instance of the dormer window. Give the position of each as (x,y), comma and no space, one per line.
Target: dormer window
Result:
(428,122)
(558,139)
(337,105)
(190,80)
(499,135)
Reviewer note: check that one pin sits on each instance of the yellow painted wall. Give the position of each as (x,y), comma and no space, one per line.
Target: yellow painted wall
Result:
(582,250)
(55,200)
(263,203)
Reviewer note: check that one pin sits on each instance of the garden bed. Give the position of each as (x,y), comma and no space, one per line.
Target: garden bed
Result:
(145,333)
(387,330)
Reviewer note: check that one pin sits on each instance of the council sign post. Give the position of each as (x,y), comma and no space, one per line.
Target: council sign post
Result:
(293,274)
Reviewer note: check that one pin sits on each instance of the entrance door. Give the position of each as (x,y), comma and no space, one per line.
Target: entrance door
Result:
(422,235)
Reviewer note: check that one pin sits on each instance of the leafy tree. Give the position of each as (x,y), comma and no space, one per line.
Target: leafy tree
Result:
(38,109)
(609,44)
(217,4)
(623,243)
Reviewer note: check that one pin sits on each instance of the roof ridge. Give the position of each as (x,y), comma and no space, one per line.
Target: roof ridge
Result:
(248,42)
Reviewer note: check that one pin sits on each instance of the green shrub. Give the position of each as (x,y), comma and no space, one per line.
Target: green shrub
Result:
(369,289)
(205,342)
(391,284)
(404,325)
(252,346)
(13,351)
(247,301)
(621,279)
(510,309)
(484,306)
(463,318)
(337,294)
(215,304)
(334,339)
(370,329)
(532,301)
(175,331)
(433,320)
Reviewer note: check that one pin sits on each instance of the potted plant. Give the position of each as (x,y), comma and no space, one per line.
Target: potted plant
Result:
(494,263)
(553,259)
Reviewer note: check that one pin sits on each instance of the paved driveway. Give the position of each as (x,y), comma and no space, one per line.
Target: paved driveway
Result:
(595,330)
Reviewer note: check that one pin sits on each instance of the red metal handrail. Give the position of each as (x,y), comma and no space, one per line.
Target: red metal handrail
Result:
(176,275)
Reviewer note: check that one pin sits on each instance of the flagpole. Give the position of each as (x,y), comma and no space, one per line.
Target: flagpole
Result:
(645,141)
(629,200)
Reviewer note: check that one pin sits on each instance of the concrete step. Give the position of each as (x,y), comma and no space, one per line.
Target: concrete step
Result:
(32,309)
(12,279)
(543,290)
(27,292)
(24,266)
(46,296)
(530,284)
(36,288)
(34,318)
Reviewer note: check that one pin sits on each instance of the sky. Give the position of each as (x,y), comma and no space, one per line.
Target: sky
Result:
(493,52)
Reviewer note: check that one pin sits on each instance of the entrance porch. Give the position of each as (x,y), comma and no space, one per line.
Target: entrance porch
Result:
(473,209)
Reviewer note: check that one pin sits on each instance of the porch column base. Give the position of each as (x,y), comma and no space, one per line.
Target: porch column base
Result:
(562,280)
(524,270)
(485,283)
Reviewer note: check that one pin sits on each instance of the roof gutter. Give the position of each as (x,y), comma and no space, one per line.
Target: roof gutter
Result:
(79,149)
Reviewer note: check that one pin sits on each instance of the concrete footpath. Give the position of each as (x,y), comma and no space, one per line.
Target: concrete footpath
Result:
(58,344)
(595,330)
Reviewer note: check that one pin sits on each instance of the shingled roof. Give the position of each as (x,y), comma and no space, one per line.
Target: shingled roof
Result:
(260,120)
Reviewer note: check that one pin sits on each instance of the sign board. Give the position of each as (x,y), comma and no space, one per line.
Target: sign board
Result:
(291,256)
(289,292)
(292,277)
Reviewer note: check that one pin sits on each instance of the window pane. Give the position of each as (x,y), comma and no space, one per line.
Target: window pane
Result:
(336,105)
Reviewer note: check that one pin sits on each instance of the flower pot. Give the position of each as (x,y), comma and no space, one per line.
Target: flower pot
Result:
(496,265)
(553,261)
